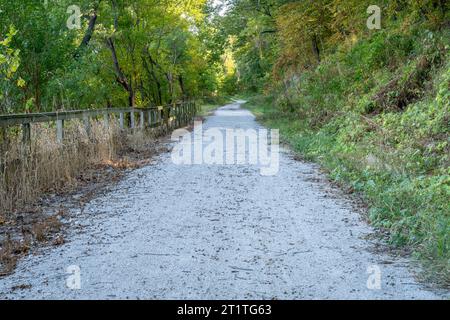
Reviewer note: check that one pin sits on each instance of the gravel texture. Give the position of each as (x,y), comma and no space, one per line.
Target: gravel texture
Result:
(218,232)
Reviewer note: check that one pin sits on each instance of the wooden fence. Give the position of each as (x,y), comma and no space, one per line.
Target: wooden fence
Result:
(170,116)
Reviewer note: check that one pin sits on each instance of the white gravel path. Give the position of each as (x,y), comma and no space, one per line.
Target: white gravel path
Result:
(218,232)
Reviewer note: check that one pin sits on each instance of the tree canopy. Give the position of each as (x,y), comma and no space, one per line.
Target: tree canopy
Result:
(97,53)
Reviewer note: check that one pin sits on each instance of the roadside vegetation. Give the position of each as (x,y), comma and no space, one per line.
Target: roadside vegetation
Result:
(371,106)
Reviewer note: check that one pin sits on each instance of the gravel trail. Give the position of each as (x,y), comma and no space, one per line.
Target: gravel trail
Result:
(218,232)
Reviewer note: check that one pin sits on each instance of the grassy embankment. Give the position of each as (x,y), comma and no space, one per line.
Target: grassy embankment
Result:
(376,116)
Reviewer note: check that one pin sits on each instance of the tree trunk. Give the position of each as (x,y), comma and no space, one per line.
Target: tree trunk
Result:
(120,76)
(152,74)
(169,77)
(316,49)
(89,32)
(181,82)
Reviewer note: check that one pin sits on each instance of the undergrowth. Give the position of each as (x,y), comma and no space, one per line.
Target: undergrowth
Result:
(376,115)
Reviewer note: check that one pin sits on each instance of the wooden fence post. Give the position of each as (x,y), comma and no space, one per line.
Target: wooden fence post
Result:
(60,130)
(189,110)
(26,133)
(122,121)
(175,114)
(142,119)
(132,120)
(106,120)
(166,117)
(87,124)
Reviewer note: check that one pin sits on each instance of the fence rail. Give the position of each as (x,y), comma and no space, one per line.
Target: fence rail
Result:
(173,115)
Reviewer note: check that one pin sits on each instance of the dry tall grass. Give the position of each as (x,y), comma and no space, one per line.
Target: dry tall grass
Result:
(29,170)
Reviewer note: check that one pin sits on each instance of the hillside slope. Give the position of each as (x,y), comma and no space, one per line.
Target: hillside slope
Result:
(377,116)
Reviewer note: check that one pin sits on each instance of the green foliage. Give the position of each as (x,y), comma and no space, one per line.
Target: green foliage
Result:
(159,54)
(9,63)
(374,110)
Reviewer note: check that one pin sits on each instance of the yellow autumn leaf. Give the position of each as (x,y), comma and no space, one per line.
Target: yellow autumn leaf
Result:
(21,83)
